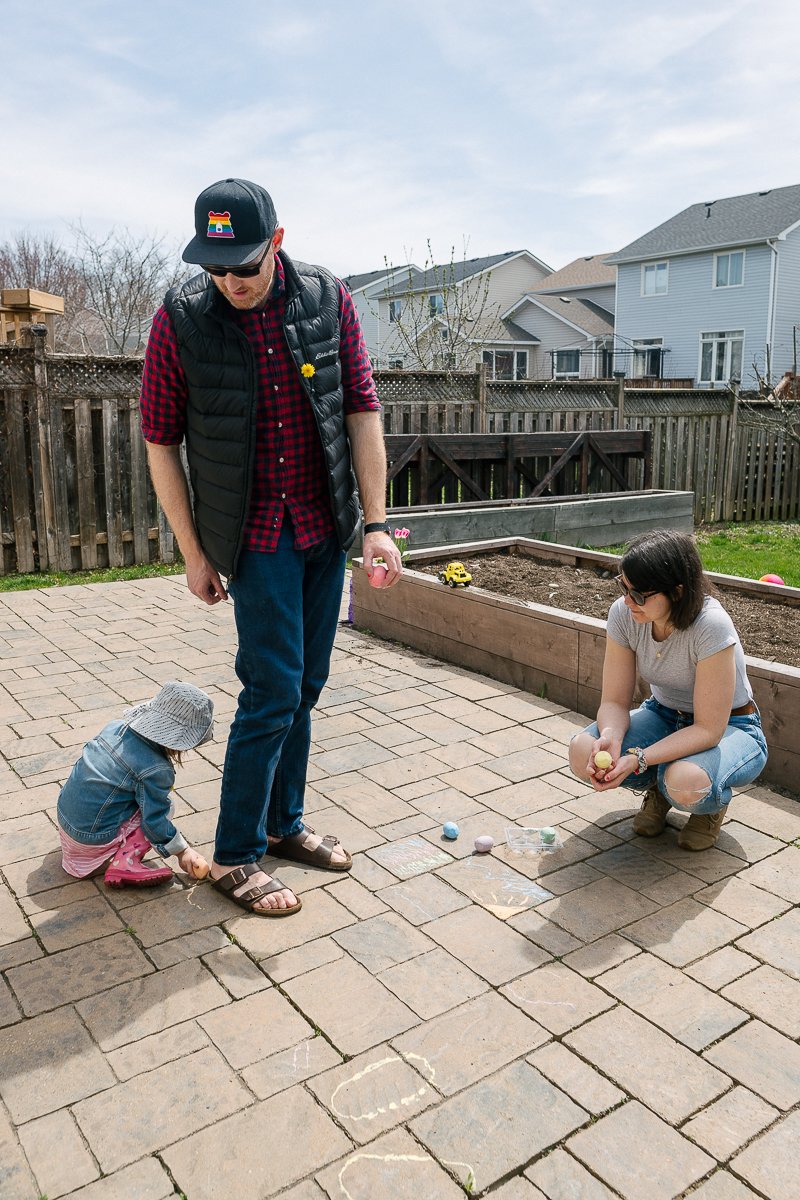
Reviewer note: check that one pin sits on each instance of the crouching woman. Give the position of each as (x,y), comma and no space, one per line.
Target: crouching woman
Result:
(698,735)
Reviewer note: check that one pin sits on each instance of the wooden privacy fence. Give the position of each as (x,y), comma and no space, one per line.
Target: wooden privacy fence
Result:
(75,493)
(74,488)
(451,468)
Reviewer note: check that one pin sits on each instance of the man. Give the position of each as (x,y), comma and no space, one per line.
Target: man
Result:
(260,365)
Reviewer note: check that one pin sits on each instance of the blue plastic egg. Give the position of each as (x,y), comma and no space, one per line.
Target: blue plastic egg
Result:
(450,830)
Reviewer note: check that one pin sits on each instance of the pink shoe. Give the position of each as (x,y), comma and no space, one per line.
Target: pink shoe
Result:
(126,868)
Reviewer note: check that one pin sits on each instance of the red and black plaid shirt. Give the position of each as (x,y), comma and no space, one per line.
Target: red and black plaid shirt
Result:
(290,472)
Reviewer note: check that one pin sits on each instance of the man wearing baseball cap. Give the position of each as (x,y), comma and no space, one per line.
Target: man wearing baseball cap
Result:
(259,365)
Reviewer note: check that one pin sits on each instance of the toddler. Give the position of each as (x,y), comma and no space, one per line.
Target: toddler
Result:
(116,803)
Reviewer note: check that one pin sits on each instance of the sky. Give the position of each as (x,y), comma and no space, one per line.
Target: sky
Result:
(380,127)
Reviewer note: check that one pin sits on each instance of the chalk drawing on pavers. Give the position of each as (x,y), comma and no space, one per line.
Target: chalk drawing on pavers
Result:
(374,1091)
(500,889)
(367,1184)
(410,856)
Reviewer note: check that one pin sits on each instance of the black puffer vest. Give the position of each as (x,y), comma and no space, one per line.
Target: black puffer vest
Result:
(220,369)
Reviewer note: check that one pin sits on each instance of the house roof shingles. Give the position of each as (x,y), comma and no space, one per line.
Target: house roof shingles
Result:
(447,274)
(589,271)
(734,221)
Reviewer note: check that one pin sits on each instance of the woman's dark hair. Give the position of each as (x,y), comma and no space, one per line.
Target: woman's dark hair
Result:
(174,756)
(664,560)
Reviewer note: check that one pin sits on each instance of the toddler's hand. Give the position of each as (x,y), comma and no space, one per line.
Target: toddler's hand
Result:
(193,863)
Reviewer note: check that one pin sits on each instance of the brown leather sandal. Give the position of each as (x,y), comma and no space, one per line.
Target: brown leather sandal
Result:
(293,847)
(235,878)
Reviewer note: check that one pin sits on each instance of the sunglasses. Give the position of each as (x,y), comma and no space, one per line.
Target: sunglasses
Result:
(636,596)
(240,272)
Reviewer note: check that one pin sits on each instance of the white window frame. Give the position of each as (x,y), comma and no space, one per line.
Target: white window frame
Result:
(646,346)
(395,311)
(654,267)
(520,363)
(729,255)
(557,374)
(726,339)
(435,304)
(396,362)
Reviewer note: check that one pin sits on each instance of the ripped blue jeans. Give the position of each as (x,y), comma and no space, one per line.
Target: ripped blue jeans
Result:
(737,760)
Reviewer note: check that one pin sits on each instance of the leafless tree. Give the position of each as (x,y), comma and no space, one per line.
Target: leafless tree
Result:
(438,314)
(39,261)
(125,278)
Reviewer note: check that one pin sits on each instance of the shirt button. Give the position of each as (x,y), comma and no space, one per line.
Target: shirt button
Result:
(280,424)
(269,349)
(275,387)
(280,460)
(283,495)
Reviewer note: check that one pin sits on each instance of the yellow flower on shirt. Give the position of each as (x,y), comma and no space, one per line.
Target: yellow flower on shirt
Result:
(307,370)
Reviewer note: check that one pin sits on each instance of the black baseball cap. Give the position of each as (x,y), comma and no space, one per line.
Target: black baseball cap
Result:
(234,220)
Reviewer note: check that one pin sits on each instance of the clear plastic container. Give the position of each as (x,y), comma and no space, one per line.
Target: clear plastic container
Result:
(529,839)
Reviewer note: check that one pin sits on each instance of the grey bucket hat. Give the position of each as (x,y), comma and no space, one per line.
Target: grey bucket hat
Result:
(180,717)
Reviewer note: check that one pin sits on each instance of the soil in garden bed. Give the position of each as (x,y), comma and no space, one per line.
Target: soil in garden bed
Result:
(770,631)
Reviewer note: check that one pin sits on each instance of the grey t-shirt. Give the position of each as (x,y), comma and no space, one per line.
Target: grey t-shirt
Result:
(670,666)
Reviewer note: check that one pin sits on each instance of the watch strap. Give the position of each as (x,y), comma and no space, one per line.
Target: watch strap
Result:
(376,527)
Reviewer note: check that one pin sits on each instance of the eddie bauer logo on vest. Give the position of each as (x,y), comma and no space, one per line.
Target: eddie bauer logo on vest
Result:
(219,225)
(325,359)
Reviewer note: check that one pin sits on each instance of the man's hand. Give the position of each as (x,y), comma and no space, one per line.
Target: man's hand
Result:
(381,545)
(204,582)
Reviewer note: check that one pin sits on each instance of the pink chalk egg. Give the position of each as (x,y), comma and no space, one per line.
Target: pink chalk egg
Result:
(378,575)
(772,579)
(484,843)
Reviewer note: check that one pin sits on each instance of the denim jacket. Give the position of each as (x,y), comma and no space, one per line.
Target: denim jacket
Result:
(118,772)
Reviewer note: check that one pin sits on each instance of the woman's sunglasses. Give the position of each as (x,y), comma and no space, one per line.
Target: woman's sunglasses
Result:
(239,272)
(636,596)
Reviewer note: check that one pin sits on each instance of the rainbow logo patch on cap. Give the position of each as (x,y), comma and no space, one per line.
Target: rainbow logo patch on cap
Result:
(219,225)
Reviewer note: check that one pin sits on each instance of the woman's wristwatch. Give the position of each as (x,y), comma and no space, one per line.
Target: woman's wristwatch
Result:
(641,761)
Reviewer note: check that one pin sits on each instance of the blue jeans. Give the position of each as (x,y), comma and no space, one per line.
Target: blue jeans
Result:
(738,759)
(286,606)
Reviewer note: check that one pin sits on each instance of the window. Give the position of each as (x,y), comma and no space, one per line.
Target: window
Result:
(654,279)
(395,309)
(506,364)
(729,269)
(567,364)
(396,364)
(721,356)
(436,303)
(606,362)
(647,357)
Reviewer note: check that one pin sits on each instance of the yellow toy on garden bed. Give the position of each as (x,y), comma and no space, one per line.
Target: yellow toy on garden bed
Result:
(455,574)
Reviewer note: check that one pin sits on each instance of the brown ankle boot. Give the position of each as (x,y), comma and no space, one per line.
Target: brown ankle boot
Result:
(652,816)
(701,830)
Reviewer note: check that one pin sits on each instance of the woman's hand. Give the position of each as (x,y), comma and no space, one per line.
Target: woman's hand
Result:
(607,743)
(192,863)
(613,777)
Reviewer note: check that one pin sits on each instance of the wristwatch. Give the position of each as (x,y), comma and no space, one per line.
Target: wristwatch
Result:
(641,761)
(377,527)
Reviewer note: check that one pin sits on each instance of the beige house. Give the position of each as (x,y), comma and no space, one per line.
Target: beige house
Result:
(570,313)
(451,315)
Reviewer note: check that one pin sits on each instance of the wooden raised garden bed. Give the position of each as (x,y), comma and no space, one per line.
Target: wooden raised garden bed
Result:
(546,650)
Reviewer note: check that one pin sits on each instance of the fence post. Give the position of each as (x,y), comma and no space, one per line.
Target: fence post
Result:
(728,499)
(53,533)
(481,390)
(620,378)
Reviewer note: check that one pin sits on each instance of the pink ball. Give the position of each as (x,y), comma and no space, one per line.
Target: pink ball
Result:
(772,579)
(378,575)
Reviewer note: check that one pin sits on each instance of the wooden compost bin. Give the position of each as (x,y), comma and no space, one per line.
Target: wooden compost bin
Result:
(535,647)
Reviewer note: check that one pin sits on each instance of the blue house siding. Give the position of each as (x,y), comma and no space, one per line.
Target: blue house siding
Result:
(693,306)
(787,306)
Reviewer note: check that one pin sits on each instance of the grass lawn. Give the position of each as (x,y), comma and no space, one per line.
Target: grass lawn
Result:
(766,548)
(21,583)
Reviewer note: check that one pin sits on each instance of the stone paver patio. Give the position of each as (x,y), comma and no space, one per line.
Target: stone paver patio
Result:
(619,1018)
